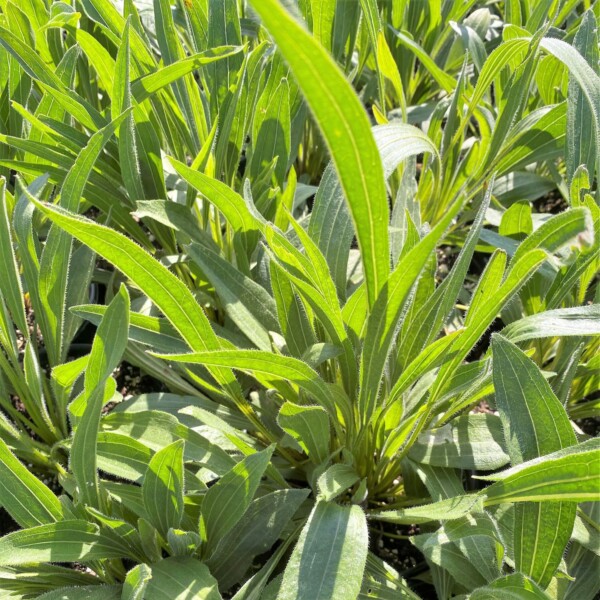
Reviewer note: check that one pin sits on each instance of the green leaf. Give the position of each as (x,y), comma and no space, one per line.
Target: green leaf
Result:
(122,456)
(226,502)
(65,541)
(162,489)
(329,558)
(534,421)
(156,429)
(309,426)
(29,60)
(336,480)
(535,424)
(224,28)
(109,343)
(453,558)
(431,316)
(230,203)
(12,290)
(90,592)
(573,228)
(146,86)
(582,148)
(468,442)
(443,79)
(156,332)
(572,474)
(588,80)
(293,321)
(254,587)
(387,311)
(489,281)
(271,136)
(397,141)
(516,587)
(281,368)
(322,21)
(136,582)
(573,321)
(452,508)
(28,501)
(347,133)
(256,532)
(121,100)
(331,227)
(179,578)
(107,350)
(246,302)
(167,291)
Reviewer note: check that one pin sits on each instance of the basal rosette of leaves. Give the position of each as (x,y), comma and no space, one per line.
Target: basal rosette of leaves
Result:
(317,224)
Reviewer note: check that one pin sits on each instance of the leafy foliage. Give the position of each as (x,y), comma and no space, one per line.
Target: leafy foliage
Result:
(302,219)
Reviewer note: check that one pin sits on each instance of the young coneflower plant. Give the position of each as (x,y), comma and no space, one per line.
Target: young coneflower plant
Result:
(392,346)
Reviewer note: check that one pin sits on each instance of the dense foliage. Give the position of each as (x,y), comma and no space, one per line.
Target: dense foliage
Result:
(357,242)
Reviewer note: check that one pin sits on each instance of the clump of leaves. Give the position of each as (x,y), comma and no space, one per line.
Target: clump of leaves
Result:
(327,388)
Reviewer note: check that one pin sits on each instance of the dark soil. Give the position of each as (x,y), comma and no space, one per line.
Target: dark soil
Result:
(132,381)
(400,554)
(591,426)
(552,203)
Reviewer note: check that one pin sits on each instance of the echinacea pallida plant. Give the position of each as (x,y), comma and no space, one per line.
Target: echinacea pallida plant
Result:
(366,392)
(360,389)
(54,279)
(168,537)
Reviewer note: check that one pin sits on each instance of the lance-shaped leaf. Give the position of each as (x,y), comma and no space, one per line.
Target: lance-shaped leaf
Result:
(28,501)
(89,592)
(10,281)
(162,489)
(259,528)
(515,586)
(397,141)
(167,292)
(535,424)
(108,347)
(347,133)
(572,474)
(248,304)
(385,316)
(226,502)
(587,79)
(178,578)
(430,317)
(56,257)
(66,541)
(572,321)
(280,368)
(329,558)
(331,227)
(451,508)
(309,426)
(136,582)
(468,442)
(336,480)
(144,87)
